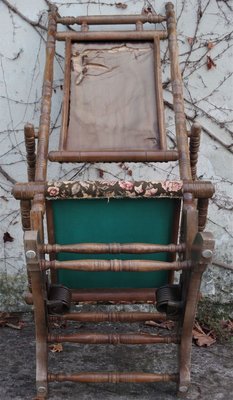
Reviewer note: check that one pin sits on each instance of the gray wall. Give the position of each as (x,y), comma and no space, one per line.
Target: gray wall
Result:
(204,29)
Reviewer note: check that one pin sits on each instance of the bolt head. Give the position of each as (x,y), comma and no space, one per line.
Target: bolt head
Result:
(41,389)
(183,389)
(207,253)
(30,254)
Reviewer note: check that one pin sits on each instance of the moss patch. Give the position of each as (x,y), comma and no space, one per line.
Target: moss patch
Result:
(11,292)
(212,316)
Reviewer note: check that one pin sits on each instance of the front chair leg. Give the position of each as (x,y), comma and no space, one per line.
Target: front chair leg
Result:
(202,251)
(40,312)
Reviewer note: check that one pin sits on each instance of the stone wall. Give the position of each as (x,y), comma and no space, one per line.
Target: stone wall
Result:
(205,42)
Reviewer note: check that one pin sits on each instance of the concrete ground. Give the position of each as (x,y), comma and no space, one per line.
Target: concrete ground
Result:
(212,368)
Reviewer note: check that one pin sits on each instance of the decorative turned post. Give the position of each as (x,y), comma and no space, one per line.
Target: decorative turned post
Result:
(202,206)
(177,91)
(44,128)
(25,205)
(29,137)
(25,208)
(194,145)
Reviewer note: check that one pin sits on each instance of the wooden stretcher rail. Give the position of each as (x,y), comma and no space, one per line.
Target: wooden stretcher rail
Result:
(113,377)
(112,338)
(115,265)
(115,296)
(97,36)
(111,19)
(109,317)
(111,248)
(113,156)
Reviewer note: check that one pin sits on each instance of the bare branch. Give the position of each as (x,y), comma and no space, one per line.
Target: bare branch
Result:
(207,131)
(26,19)
(7,176)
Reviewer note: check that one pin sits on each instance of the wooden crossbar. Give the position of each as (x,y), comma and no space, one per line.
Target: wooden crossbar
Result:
(96,36)
(113,377)
(111,248)
(111,19)
(113,156)
(109,317)
(113,295)
(115,265)
(27,191)
(112,338)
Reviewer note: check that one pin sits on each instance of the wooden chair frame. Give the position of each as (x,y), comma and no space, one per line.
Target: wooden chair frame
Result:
(195,246)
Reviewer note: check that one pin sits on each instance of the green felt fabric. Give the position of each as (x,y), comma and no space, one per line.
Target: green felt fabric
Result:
(118,220)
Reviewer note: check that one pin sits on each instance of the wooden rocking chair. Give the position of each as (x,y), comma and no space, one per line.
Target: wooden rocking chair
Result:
(97,230)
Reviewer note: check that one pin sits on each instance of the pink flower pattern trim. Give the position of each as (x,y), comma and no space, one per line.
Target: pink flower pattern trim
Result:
(172,186)
(53,191)
(113,189)
(126,185)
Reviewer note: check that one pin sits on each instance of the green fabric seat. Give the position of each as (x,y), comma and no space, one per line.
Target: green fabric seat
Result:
(108,221)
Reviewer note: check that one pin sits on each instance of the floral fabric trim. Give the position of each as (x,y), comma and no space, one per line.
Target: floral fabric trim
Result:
(112,189)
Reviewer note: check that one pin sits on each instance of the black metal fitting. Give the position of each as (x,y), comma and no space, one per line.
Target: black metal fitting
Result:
(59,299)
(169,300)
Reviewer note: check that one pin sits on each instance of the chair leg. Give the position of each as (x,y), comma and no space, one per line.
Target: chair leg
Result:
(201,256)
(41,336)
(186,336)
(40,313)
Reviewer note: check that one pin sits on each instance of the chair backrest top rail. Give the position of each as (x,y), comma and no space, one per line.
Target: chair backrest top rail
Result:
(111,19)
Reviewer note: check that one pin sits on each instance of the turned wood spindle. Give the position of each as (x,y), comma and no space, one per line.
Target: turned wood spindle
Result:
(30,144)
(194,145)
